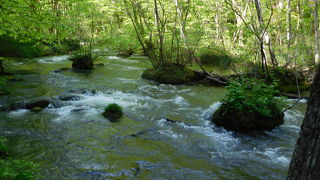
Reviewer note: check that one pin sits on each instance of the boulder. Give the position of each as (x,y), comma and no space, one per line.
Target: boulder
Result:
(84,62)
(233,119)
(112,112)
(83,91)
(37,103)
(70,97)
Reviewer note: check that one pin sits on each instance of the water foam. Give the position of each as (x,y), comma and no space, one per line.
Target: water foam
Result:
(54,59)
(207,114)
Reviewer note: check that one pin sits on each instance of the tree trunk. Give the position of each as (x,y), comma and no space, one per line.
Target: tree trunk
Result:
(1,68)
(289,32)
(160,32)
(264,34)
(316,31)
(305,163)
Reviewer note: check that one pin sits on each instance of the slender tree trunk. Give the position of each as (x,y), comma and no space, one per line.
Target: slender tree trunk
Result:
(271,51)
(159,29)
(305,163)
(261,38)
(316,31)
(1,68)
(264,33)
(289,32)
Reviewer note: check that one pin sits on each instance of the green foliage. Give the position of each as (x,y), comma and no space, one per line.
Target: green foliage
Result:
(216,57)
(13,48)
(251,95)
(17,169)
(14,169)
(3,148)
(3,82)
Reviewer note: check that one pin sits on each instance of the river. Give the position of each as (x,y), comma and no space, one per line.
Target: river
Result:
(76,142)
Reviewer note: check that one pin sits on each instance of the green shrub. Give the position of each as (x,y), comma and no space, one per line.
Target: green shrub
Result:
(217,58)
(11,47)
(3,148)
(14,169)
(17,170)
(3,82)
(251,95)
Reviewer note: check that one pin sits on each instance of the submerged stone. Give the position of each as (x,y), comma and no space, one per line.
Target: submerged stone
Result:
(41,102)
(246,121)
(61,70)
(83,91)
(70,97)
(113,112)
(37,109)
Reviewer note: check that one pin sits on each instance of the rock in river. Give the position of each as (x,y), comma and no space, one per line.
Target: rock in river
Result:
(246,121)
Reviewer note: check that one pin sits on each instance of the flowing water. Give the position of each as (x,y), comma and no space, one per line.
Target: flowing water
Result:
(76,142)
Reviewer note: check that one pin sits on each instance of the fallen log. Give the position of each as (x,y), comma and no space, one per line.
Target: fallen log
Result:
(292,96)
(208,78)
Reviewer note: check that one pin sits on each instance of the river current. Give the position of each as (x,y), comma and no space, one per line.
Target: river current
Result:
(76,142)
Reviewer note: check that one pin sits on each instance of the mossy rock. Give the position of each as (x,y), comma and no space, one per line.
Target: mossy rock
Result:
(288,80)
(170,74)
(125,53)
(113,112)
(82,62)
(246,120)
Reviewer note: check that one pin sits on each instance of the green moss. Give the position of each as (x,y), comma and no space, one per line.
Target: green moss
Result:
(113,112)
(170,74)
